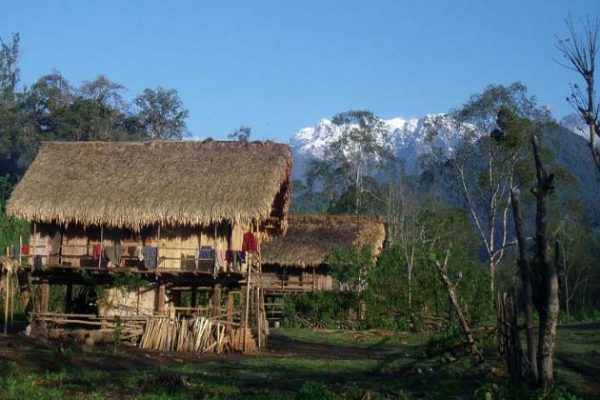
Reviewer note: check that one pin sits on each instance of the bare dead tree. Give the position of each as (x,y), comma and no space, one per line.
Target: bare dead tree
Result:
(579,51)
(542,278)
(526,276)
(442,268)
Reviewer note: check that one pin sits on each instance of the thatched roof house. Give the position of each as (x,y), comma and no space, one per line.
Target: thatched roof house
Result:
(311,240)
(136,184)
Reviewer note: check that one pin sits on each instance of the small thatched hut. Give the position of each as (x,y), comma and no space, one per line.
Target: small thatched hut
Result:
(299,260)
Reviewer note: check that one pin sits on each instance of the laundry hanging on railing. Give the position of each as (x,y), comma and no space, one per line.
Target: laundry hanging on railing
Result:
(96,251)
(249,243)
(16,251)
(150,255)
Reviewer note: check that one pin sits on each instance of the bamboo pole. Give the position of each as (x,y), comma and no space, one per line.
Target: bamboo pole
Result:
(12,303)
(35,242)
(247,307)
(229,311)
(101,245)
(157,262)
(258,322)
(6,304)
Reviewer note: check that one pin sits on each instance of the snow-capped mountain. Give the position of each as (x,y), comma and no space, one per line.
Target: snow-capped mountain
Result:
(408,138)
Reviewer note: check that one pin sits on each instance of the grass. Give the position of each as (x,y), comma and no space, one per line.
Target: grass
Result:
(301,364)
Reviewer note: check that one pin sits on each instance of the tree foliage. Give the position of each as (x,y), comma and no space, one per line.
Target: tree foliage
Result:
(161,114)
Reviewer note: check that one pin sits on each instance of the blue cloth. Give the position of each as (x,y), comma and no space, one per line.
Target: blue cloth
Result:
(150,255)
(16,251)
(206,253)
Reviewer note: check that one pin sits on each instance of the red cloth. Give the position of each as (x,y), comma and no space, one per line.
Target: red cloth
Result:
(25,250)
(249,243)
(96,251)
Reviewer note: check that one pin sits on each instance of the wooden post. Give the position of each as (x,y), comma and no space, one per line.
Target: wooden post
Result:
(216,303)
(258,321)
(194,297)
(21,250)
(6,303)
(69,297)
(314,279)
(35,241)
(157,249)
(230,301)
(247,302)
(101,245)
(45,296)
(12,302)
(162,294)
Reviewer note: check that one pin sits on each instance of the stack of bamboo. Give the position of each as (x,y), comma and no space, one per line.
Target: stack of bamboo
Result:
(196,334)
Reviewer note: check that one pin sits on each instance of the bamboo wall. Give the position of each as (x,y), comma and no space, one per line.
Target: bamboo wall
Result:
(178,246)
(127,303)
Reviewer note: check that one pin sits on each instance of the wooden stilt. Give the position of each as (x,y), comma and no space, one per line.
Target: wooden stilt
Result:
(216,303)
(35,243)
(45,296)
(20,250)
(258,321)
(6,312)
(194,297)
(230,301)
(69,298)
(101,245)
(162,294)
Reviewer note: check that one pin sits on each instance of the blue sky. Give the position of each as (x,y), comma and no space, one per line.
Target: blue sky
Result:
(278,66)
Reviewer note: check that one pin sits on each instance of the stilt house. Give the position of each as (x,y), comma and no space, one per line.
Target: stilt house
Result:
(183,215)
(299,261)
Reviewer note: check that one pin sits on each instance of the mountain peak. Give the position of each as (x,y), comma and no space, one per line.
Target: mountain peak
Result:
(408,137)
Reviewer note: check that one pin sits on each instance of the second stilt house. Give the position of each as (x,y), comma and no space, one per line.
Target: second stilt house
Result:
(300,260)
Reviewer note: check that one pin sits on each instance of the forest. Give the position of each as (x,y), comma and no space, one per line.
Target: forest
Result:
(491,256)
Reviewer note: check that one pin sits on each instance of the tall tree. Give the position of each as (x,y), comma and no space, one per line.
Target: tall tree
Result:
(359,152)
(161,113)
(539,274)
(9,68)
(486,162)
(579,50)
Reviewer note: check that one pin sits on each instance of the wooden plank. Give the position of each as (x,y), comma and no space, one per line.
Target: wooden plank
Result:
(161,298)
(45,296)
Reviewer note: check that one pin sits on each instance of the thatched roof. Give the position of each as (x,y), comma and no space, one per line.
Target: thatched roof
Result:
(134,184)
(311,240)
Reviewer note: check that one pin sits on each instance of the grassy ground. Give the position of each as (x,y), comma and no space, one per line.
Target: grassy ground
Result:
(299,364)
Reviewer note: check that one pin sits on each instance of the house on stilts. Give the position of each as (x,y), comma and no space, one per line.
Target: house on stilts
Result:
(300,260)
(169,234)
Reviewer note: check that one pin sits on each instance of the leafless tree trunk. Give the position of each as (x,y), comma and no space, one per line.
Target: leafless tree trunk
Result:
(540,283)
(548,305)
(526,276)
(580,51)
(442,268)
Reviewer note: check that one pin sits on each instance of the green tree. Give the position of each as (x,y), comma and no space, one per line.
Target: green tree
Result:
(9,68)
(360,150)
(490,160)
(161,114)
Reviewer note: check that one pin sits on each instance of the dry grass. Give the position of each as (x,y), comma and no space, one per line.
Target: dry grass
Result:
(143,183)
(311,240)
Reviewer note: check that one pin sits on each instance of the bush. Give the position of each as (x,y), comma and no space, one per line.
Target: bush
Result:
(324,309)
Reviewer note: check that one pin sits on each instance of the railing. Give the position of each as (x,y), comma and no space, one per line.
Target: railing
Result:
(126,255)
(283,283)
